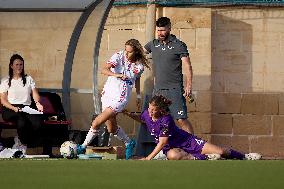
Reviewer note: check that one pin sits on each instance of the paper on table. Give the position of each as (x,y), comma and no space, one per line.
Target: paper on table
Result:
(29,110)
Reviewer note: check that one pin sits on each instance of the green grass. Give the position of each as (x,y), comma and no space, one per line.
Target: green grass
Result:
(121,174)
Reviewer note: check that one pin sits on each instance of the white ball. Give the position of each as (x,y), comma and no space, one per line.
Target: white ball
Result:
(68,149)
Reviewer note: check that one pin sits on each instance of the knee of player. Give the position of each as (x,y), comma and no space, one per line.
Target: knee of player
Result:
(94,125)
(184,123)
(224,151)
(181,121)
(173,154)
(112,130)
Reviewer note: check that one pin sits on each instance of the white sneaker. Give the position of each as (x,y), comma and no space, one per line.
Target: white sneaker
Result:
(213,156)
(252,156)
(160,156)
(19,146)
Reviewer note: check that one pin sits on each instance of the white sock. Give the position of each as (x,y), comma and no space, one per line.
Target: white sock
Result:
(121,135)
(90,136)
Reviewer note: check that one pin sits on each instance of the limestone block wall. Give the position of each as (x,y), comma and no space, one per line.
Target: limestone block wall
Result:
(247,79)
(41,38)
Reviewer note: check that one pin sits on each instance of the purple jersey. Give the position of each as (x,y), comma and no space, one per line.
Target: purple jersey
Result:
(177,138)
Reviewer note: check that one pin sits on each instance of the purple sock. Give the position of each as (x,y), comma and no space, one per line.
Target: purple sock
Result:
(200,156)
(233,154)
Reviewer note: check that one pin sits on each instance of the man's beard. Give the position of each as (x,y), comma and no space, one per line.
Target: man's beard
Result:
(165,37)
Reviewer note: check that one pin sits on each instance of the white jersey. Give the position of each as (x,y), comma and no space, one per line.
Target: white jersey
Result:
(116,92)
(17,92)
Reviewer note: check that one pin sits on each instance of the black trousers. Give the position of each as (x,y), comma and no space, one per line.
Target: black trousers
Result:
(28,125)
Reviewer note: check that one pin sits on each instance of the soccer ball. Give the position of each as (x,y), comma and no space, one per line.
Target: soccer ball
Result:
(68,149)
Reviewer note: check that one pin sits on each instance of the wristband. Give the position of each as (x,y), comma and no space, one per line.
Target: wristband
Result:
(138,96)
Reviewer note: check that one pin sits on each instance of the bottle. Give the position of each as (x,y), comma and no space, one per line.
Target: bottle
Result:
(190,98)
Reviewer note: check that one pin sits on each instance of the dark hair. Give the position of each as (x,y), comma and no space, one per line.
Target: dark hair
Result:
(161,102)
(163,22)
(23,75)
(138,52)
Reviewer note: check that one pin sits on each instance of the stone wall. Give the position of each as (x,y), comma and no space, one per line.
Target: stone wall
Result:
(247,79)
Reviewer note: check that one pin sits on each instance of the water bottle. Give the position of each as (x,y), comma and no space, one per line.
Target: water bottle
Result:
(190,98)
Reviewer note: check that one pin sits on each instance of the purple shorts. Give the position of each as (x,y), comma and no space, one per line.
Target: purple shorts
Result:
(194,147)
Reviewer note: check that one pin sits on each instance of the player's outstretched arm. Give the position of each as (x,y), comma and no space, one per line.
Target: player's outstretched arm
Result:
(132,115)
(162,142)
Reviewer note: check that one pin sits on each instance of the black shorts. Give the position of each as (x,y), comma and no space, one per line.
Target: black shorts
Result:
(178,107)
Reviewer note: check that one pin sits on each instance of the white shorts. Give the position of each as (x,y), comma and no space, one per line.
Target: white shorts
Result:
(116,95)
(113,103)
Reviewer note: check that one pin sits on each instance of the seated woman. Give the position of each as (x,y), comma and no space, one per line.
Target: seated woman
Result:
(176,143)
(16,90)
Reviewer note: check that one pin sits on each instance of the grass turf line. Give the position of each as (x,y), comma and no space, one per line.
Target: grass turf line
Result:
(140,174)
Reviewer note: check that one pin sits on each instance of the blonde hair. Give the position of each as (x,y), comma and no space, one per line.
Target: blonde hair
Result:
(138,52)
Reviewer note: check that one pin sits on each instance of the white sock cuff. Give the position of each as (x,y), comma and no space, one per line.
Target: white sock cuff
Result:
(94,130)
(92,133)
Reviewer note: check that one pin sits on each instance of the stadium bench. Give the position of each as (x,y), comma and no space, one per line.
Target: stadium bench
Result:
(55,126)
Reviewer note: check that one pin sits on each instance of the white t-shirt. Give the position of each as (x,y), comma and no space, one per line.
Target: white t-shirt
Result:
(18,93)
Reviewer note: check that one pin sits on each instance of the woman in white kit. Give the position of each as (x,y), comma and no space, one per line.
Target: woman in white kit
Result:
(16,90)
(124,70)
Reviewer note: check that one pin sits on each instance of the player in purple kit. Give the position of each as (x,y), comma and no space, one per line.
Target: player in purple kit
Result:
(176,143)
